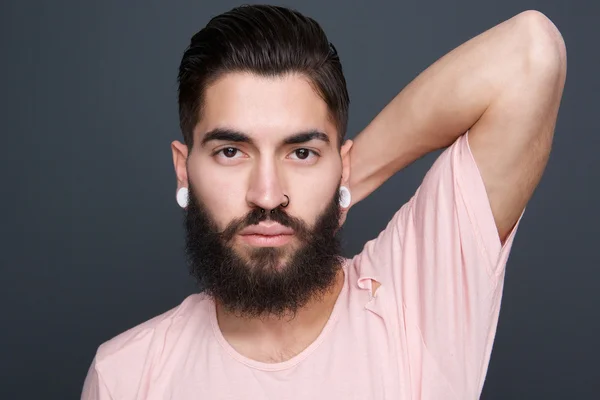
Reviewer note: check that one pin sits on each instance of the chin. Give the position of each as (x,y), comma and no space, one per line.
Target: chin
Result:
(276,258)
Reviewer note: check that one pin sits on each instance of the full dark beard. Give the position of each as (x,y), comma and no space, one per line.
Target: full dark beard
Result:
(259,285)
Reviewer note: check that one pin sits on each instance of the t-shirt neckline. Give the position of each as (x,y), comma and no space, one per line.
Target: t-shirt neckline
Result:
(297,358)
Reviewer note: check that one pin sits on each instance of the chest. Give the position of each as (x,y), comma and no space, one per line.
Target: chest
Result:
(341,367)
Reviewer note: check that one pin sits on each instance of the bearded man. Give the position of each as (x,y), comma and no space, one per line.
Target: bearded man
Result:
(266,180)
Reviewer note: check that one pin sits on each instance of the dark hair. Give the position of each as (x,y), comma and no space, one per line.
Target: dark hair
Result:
(265,40)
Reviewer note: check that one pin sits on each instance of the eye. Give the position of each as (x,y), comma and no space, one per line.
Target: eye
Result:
(228,152)
(303,154)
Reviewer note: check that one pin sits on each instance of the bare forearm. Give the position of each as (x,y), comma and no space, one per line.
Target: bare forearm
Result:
(442,103)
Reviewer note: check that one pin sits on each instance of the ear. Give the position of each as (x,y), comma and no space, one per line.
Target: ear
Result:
(345,181)
(345,155)
(180,155)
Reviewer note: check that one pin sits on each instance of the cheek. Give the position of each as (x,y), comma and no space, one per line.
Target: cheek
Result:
(312,192)
(222,195)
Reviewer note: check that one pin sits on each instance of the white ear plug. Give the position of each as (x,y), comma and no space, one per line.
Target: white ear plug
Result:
(182,197)
(345,197)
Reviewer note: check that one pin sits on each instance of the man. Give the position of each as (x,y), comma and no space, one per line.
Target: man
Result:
(266,181)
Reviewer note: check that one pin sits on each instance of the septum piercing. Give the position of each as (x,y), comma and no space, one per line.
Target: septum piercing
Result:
(262,210)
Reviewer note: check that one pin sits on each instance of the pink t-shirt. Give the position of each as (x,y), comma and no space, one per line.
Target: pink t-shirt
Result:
(427,333)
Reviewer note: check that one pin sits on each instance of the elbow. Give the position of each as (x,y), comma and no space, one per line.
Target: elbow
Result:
(545,54)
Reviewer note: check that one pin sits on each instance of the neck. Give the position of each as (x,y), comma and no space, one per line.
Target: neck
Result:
(274,339)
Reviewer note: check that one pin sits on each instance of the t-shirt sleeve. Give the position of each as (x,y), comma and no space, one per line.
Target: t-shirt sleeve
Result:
(441,262)
(94,387)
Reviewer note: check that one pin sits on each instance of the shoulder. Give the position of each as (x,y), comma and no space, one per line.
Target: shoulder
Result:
(134,346)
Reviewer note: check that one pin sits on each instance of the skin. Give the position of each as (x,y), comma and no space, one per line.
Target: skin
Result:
(258,174)
(503,86)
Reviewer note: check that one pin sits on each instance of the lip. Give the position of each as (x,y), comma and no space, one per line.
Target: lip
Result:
(267,235)
(266,240)
(267,230)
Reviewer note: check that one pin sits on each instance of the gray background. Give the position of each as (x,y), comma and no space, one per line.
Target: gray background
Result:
(92,237)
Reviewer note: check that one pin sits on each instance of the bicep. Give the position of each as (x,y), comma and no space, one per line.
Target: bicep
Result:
(511,141)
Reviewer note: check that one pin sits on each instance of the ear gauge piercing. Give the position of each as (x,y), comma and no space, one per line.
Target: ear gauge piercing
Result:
(345,197)
(182,197)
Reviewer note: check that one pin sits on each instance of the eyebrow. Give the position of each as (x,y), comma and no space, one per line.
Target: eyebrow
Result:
(230,135)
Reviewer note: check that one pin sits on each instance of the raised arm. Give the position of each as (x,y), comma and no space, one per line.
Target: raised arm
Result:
(503,86)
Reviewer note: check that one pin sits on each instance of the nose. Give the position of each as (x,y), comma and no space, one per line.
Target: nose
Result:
(265,189)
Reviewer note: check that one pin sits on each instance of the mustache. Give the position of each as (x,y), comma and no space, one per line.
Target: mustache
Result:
(255,216)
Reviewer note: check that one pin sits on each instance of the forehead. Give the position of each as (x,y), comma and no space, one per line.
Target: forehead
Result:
(265,107)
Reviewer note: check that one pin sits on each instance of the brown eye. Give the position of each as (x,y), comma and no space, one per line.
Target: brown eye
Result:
(302,154)
(229,152)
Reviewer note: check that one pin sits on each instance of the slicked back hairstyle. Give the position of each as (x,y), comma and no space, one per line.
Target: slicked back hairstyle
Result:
(265,40)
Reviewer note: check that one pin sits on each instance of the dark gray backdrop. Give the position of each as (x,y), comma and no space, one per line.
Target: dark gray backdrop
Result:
(91,234)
